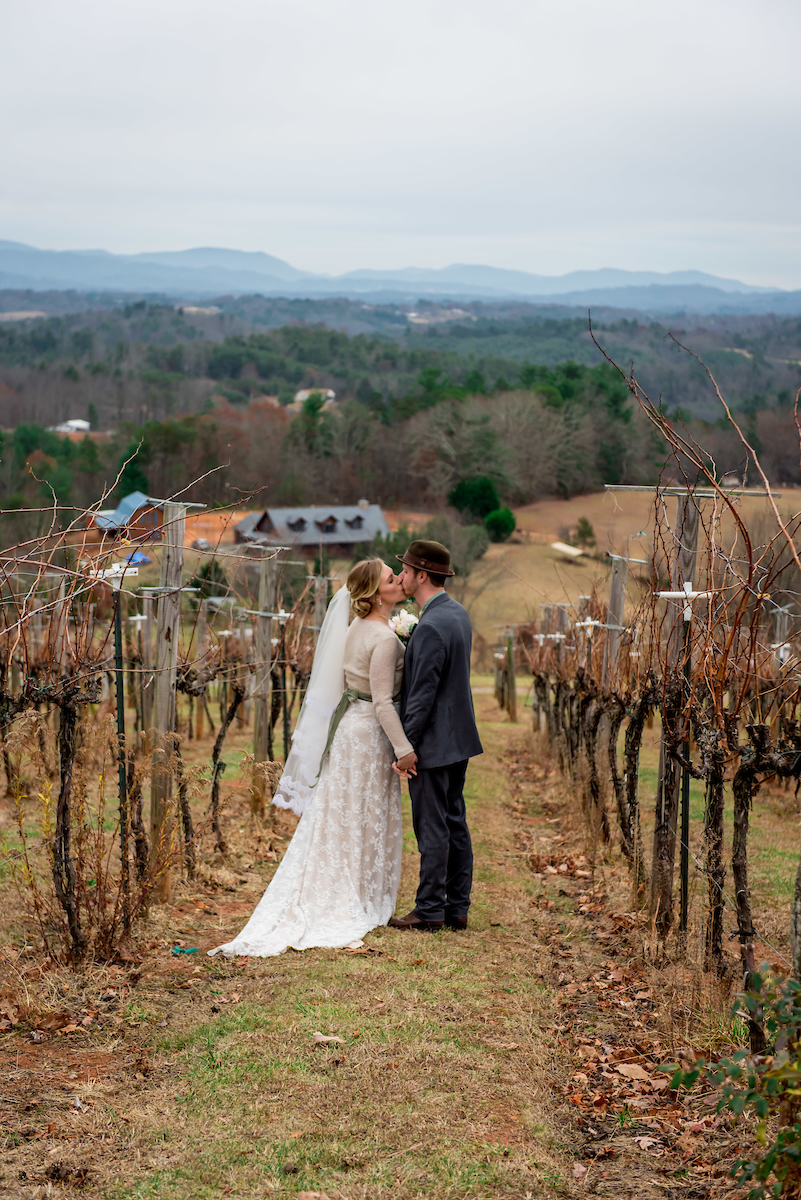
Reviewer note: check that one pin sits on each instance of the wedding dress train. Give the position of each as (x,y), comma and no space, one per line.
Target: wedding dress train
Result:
(339,877)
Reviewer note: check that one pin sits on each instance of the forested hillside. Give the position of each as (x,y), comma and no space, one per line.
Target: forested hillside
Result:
(525,398)
(252,343)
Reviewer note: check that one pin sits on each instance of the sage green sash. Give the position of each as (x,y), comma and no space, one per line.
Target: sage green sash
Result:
(348,696)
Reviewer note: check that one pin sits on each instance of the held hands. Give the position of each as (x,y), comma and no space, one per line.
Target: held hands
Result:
(406,766)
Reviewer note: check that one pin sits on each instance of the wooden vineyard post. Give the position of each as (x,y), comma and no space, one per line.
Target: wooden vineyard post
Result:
(148,678)
(168,615)
(511,686)
(245,677)
(136,673)
(61,631)
(546,629)
(500,677)
(262,682)
(614,620)
(669,780)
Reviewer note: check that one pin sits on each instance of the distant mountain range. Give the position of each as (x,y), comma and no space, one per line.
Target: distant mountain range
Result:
(207,272)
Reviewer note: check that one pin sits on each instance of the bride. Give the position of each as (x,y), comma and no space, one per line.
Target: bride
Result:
(340,874)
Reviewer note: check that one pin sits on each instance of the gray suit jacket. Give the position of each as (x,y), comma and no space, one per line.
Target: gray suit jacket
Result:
(436,701)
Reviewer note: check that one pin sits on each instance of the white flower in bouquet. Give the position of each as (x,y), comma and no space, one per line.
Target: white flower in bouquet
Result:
(403,623)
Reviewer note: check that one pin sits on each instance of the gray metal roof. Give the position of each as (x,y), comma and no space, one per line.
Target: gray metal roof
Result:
(249,522)
(329,525)
(121,515)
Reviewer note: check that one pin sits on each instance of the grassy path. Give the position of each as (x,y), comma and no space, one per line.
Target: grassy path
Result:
(438,1088)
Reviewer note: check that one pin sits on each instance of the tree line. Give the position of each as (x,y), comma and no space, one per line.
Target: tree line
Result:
(409,425)
(143,361)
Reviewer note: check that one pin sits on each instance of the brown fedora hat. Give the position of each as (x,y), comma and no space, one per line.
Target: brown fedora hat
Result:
(428,556)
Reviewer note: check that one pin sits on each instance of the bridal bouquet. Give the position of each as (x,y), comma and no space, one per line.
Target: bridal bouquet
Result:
(403,623)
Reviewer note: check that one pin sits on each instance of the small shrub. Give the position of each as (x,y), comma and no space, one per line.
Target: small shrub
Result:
(585,534)
(764,1085)
(476,497)
(500,524)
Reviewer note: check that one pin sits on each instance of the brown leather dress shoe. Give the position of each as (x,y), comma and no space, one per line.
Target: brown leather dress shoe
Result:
(412,921)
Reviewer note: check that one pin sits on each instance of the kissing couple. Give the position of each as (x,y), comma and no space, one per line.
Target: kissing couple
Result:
(376,711)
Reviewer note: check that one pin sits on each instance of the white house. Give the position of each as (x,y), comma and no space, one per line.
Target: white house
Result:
(74,425)
(328,394)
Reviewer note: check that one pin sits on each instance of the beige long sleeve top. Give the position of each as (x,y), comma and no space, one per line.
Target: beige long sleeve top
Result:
(374,664)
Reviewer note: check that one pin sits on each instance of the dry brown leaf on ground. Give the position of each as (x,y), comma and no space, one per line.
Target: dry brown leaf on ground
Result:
(646,1142)
(632,1071)
(55,1020)
(321,1039)
(579,1170)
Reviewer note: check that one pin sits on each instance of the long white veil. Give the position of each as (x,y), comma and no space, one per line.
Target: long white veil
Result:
(326,685)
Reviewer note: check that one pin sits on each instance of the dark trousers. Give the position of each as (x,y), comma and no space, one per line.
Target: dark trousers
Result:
(443,839)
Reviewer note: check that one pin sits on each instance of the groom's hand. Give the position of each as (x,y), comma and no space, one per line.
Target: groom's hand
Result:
(406,766)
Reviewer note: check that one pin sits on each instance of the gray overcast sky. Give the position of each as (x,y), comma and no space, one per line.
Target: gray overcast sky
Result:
(544,135)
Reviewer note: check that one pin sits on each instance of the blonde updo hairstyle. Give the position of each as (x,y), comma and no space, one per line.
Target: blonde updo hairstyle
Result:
(363,583)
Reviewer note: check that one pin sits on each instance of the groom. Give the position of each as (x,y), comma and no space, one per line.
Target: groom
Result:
(437,717)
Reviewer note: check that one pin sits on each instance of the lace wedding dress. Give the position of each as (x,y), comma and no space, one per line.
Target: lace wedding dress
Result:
(340,874)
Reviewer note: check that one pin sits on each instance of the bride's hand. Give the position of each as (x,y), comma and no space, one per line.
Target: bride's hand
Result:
(406,766)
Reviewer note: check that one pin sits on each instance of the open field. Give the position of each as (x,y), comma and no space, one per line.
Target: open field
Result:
(513,579)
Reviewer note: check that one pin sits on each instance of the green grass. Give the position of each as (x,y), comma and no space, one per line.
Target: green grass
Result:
(397,1065)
